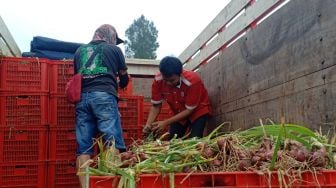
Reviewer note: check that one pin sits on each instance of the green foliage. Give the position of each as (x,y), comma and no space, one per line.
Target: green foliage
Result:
(141,39)
(294,132)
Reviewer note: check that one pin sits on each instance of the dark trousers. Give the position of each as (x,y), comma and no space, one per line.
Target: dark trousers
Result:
(196,128)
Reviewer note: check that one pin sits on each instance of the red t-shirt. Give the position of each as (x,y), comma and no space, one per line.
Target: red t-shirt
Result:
(190,94)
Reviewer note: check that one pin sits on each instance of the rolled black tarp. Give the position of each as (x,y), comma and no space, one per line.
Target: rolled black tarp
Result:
(49,44)
(49,54)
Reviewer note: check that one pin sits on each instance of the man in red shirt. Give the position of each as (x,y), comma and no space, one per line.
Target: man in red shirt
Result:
(187,97)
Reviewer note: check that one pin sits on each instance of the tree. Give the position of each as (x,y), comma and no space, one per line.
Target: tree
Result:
(141,39)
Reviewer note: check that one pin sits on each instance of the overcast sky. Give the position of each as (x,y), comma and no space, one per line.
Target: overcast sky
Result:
(178,21)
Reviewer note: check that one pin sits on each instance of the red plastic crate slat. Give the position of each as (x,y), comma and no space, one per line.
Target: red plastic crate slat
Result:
(23,144)
(62,174)
(27,174)
(131,111)
(62,144)
(60,73)
(23,109)
(62,113)
(23,74)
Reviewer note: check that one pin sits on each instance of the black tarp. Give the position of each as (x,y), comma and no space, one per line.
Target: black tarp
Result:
(49,44)
(45,47)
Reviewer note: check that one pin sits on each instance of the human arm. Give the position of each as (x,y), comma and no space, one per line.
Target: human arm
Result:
(161,125)
(123,78)
(155,109)
(122,73)
(153,113)
(116,61)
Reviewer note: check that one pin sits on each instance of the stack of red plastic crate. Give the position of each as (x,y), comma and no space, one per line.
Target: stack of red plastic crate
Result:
(23,122)
(62,137)
(37,124)
(131,114)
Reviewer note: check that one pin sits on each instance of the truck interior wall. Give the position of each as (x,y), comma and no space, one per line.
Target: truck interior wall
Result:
(8,46)
(4,49)
(142,86)
(285,67)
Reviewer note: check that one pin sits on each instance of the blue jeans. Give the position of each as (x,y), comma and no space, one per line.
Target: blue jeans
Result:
(97,111)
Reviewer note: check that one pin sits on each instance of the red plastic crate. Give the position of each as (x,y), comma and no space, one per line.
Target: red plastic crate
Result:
(221,179)
(23,144)
(62,144)
(21,109)
(160,181)
(28,174)
(62,113)
(131,111)
(24,74)
(323,179)
(326,178)
(60,73)
(62,174)
(236,179)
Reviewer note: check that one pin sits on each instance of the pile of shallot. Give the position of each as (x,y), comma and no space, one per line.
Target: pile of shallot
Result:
(264,148)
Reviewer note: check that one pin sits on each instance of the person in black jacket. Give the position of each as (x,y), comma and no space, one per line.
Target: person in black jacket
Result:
(97,111)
